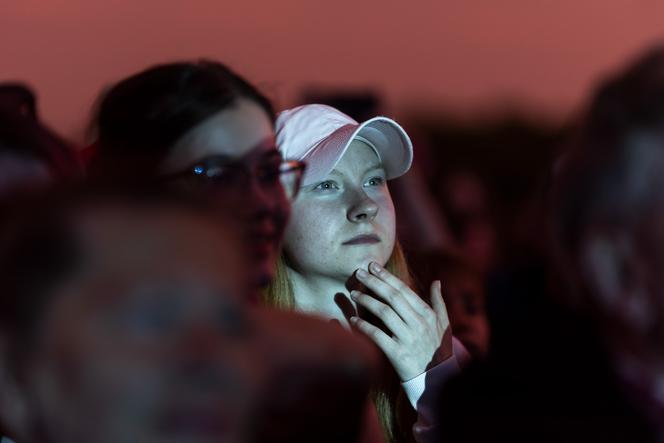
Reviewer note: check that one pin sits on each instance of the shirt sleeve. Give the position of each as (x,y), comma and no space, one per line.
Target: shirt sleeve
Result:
(422,391)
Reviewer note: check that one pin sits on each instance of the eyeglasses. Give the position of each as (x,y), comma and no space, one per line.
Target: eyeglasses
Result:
(217,173)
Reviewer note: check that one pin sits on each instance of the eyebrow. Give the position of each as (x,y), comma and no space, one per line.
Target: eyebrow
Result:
(374,166)
(271,153)
(225,158)
(268,142)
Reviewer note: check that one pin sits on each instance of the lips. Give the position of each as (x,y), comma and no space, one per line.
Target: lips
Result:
(364,239)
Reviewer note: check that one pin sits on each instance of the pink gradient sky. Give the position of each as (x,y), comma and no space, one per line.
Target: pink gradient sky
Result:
(466,54)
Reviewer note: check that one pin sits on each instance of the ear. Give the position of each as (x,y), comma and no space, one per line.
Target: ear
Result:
(13,402)
(617,277)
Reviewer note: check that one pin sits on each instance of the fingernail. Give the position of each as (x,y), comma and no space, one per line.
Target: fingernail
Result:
(375,267)
(354,294)
(362,273)
(353,320)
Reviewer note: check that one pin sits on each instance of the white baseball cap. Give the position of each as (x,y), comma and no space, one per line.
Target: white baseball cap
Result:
(320,135)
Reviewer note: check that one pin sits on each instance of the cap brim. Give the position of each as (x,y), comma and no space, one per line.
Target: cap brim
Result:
(392,144)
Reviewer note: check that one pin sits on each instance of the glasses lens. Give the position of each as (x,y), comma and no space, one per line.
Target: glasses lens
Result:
(236,177)
(291,177)
(220,176)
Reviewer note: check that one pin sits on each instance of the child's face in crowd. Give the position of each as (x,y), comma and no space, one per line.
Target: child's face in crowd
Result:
(241,138)
(344,221)
(465,302)
(148,341)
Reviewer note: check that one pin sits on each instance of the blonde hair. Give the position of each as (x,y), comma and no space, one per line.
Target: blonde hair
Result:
(388,398)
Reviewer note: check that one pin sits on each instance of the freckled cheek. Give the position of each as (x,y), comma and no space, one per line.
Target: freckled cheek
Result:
(309,225)
(386,214)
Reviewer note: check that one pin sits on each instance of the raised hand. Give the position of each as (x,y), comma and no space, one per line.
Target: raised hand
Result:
(420,337)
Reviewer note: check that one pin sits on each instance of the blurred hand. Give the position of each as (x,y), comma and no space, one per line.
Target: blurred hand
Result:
(319,376)
(419,335)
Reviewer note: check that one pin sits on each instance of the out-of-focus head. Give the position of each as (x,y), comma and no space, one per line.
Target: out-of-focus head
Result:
(344,216)
(464,200)
(609,209)
(464,294)
(19,99)
(200,127)
(123,319)
(21,167)
(31,156)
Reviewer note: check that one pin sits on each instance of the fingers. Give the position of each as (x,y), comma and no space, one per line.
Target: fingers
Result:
(380,338)
(381,310)
(418,304)
(437,301)
(446,349)
(382,282)
(389,295)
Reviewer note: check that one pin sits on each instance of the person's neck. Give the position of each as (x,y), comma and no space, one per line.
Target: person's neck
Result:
(322,296)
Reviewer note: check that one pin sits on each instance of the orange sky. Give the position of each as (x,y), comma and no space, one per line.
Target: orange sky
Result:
(466,54)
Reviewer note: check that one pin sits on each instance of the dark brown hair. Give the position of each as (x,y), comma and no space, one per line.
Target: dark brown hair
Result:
(143,116)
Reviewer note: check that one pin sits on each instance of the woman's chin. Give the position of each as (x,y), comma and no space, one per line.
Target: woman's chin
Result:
(379,257)
(362,262)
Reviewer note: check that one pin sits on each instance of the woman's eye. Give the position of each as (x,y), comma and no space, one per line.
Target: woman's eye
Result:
(326,186)
(375,181)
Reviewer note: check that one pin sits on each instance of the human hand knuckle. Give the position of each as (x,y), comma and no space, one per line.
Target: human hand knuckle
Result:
(383,310)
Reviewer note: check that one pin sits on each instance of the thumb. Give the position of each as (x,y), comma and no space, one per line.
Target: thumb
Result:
(437,302)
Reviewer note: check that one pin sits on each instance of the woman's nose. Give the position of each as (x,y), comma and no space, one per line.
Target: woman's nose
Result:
(260,200)
(362,209)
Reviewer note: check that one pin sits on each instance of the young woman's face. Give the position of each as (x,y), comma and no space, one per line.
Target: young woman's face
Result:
(241,137)
(344,221)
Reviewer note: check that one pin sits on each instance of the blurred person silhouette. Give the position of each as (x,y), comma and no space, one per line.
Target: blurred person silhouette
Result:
(464,200)
(123,319)
(17,98)
(596,371)
(318,382)
(122,322)
(340,246)
(198,126)
(464,294)
(608,206)
(31,155)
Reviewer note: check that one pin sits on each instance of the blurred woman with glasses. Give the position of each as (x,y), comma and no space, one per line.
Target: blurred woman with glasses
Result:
(199,127)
